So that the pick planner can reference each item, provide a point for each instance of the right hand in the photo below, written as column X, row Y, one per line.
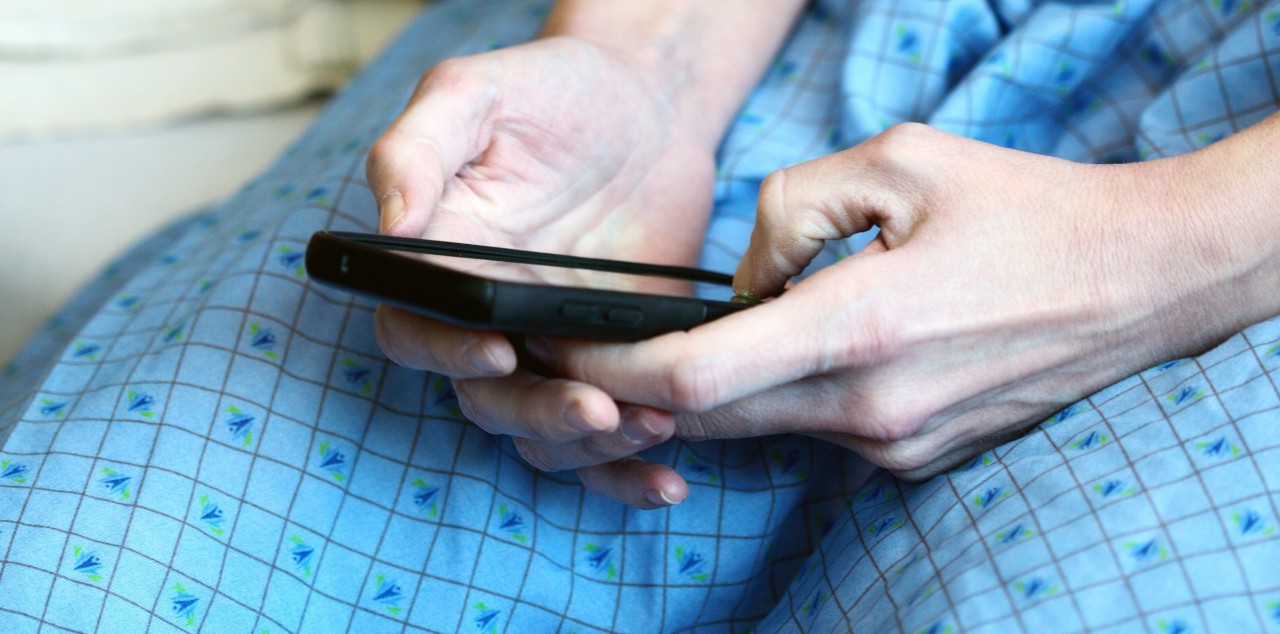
column 562, row 146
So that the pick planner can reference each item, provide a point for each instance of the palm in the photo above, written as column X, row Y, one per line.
column 608, row 182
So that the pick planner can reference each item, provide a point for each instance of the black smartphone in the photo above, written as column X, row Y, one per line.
column 510, row 290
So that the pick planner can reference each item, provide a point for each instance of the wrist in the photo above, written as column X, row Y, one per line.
column 1224, row 229
column 689, row 51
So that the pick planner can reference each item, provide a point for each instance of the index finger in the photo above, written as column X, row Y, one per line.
column 699, row 370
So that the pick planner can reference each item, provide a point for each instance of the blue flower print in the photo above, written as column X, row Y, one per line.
column 1183, row 395
column 13, row 471
column 1218, row 447
column 908, row 43
column 445, row 397
column 116, row 483
column 937, row 627
column 1112, row 488
column 128, row 302
column 1146, row 551
column 989, row 497
column 884, row 525
column 141, row 403
column 211, row 515
column 913, row 560
column 263, row 340
column 1062, row 77
column 922, row 593
column 240, row 425
column 810, row 607
column 1016, row 533
column 183, row 604
column 789, row 463
column 690, row 563
column 1157, row 57
column 1089, row 441
column 600, row 560
column 1033, row 588
column 291, row 259
column 332, row 461
column 1070, row 411
column 50, row 408
column 319, row 196
column 874, row 492
column 175, row 333
column 511, row 523
column 302, row 555
column 85, row 350
column 1250, row 523
column 787, row 69
column 700, row 469
column 485, row 618
column 87, row 563
column 357, row 376
column 388, row 594
column 426, row 497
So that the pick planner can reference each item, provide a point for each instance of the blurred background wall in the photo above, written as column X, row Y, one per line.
column 117, row 117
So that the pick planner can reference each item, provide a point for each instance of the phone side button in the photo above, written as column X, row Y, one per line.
column 624, row 316
column 582, row 313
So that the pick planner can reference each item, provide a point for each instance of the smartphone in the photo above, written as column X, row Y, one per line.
column 514, row 291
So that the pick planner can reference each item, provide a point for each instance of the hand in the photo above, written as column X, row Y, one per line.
column 1002, row 286
column 561, row 146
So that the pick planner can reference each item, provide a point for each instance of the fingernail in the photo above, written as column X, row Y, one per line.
column 656, row 496
column 538, row 347
column 391, row 207
column 481, row 358
column 635, row 426
column 577, row 418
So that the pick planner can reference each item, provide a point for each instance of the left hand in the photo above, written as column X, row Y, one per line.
column 1003, row 285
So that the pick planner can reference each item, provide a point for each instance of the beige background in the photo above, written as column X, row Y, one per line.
column 117, row 121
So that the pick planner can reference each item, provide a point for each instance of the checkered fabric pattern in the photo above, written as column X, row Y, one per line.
column 206, row 441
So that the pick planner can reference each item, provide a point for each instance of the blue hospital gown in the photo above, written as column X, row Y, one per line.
column 205, row 441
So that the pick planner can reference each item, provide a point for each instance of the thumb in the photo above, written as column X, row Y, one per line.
column 440, row 131
column 828, row 198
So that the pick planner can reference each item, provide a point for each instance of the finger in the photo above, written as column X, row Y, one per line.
column 635, row 482
column 722, row 361
column 439, row 132
column 526, row 405
column 641, row 428
column 829, row 198
column 419, row 343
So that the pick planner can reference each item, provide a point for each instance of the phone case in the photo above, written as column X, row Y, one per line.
column 363, row 264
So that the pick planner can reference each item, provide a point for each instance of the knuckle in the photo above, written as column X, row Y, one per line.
column 886, row 418
column 467, row 405
column 699, row 427
column 596, row 450
column 875, row 338
column 772, row 200
column 452, row 74
column 535, row 454
column 899, row 147
column 693, row 384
